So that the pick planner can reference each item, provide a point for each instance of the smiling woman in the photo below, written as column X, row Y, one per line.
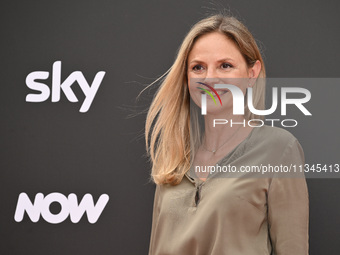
column 214, row 58
column 208, row 212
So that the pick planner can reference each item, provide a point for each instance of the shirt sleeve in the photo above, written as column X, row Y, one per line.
column 155, row 214
column 288, row 207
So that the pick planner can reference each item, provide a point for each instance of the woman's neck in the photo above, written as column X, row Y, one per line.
column 224, row 130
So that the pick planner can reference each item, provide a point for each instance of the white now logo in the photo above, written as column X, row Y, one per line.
column 65, row 86
column 69, row 206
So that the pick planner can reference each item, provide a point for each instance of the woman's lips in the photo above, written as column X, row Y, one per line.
column 220, row 92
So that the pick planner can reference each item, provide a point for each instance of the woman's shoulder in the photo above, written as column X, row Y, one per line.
column 273, row 136
column 276, row 146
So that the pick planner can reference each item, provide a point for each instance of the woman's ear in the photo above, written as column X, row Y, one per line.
column 254, row 72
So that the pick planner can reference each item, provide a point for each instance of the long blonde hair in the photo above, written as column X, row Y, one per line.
column 168, row 127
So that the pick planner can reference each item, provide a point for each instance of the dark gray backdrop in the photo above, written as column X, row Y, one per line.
column 52, row 147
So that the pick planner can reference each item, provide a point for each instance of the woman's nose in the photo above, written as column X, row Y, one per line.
column 211, row 77
column 211, row 73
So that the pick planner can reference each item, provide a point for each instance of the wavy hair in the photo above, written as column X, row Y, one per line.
column 170, row 135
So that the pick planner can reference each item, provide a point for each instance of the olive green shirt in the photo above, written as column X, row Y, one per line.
column 248, row 215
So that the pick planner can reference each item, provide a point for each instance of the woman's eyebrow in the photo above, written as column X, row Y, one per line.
column 218, row 61
column 196, row 60
column 225, row 59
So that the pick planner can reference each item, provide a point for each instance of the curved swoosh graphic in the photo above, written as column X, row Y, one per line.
column 206, row 91
column 210, row 93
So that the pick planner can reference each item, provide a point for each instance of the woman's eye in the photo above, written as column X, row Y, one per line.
column 197, row 68
column 226, row 66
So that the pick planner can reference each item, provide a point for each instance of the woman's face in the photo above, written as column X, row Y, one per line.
column 215, row 59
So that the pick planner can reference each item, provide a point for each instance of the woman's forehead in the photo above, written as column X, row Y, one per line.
column 214, row 46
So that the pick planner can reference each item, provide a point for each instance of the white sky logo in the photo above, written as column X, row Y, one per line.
column 65, row 86
column 69, row 207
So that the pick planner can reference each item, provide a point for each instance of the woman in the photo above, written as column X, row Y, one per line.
column 204, row 212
